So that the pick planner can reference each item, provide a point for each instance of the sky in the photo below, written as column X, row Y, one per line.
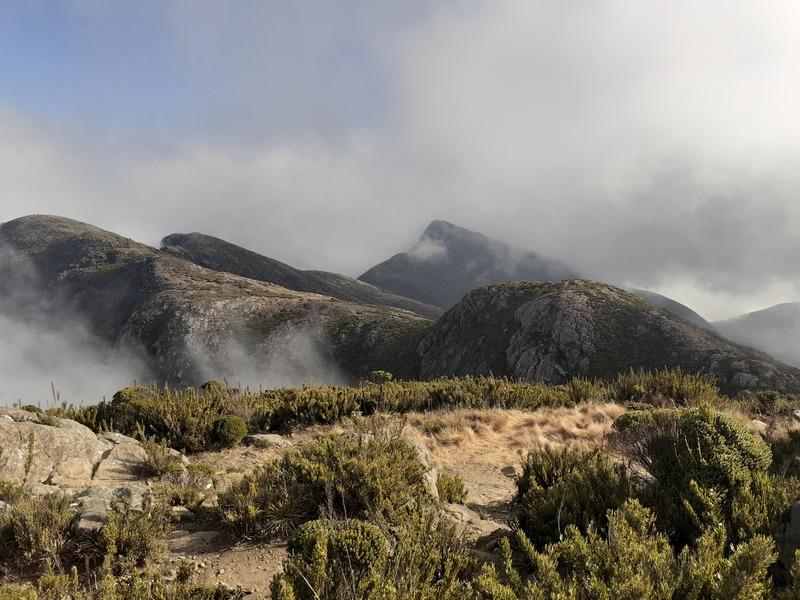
column 645, row 143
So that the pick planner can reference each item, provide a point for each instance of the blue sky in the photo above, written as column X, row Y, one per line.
column 647, row 143
column 200, row 68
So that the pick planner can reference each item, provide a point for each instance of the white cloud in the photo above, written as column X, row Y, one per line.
column 641, row 141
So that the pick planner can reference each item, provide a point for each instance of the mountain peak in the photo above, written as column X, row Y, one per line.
column 448, row 261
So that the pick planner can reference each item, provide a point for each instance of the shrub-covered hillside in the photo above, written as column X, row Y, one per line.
column 371, row 492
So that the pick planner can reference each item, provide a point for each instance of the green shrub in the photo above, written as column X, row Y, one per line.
column 633, row 560
column 451, row 488
column 37, row 532
column 190, row 487
column 563, row 487
column 331, row 559
column 267, row 503
column 184, row 419
column 349, row 475
column 667, row 387
column 131, row 539
column 698, row 461
column 416, row 554
column 229, row 430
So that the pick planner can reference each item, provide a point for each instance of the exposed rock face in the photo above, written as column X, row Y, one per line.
column 449, row 261
column 195, row 324
column 554, row 331
column 219, row 255
column 66, row 455
column 774, row 330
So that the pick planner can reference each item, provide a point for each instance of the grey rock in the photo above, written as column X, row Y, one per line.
column 431, row 475
column 124, row 462
column 553, row 332
column 267, row 440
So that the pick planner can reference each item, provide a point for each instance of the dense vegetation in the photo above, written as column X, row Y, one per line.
column 683, row 501
column 193, row 420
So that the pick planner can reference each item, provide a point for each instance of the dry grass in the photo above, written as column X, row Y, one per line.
column 479, row 445
column 505, row 432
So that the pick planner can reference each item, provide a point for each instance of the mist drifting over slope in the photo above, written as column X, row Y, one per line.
column 47, row 352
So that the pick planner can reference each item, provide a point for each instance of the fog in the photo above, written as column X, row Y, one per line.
column 292, row 356
column 48, row 354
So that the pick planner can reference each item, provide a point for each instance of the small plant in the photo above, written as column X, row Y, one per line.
column 131, row 539
column 229, row 430
column 38, row 532
column 451, row 488
column 348, row 476
column 563, row 487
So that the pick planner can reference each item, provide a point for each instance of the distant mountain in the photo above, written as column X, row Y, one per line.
column 774, row 330
column 554, row 331
column 219, row 255
column 195, row 323
column 675, row 307
column 448, row 261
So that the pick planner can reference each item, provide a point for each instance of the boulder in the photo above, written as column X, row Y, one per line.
column 33, row 452
column 266, row 440
column 124, row 462
column 95, row 502
column 64, row 454
column 431, row 474
column 475, row 526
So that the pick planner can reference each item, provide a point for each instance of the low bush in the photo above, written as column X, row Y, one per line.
column 415, row 555
column 348, row 476
column 229, row 430
column 184, row 419
column 37, row 533
column 632, row 560
column 666, row 387
column 451, row 488
column 697, row 461
column 335, row 559
column 561, row 487
column 132, row 539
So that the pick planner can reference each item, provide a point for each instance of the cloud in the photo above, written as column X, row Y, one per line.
column 646, row 143
column 291, row 356
column 42, row 344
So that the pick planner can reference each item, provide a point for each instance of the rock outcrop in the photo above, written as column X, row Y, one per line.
column 51, row 455
column 554, row 331
column 47, row 453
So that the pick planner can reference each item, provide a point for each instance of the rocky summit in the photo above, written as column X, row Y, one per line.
column 449, row 261
column 555, row 331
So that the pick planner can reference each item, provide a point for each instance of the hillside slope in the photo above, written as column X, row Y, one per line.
column 219, row 255
column 449, row 261
column 775, row 330
column 673, row 306
column 195, row 323
column 554, row 331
